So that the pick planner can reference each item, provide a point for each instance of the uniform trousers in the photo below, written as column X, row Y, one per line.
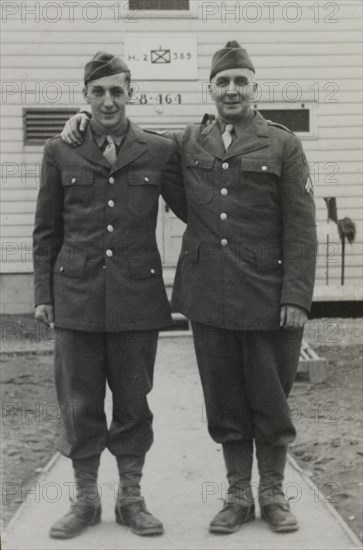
column 246, row 378
column 84, row 363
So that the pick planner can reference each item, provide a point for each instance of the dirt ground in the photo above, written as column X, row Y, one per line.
column 328, row 417
column 29, row 425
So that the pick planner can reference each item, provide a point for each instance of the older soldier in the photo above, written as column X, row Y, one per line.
column 98, row 279
column 245, row 278
column 245, row 275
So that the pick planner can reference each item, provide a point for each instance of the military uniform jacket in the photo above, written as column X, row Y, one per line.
column 250, row 242
column 95, row 252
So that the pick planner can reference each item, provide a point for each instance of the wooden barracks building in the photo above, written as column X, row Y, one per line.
column 308, row 58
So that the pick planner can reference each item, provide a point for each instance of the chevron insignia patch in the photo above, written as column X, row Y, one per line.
column 309, row 188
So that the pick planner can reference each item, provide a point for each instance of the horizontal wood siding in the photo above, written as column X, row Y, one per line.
column 41, row 58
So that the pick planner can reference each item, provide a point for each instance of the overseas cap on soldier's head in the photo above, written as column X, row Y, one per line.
column 232, row 56
column 104, row 64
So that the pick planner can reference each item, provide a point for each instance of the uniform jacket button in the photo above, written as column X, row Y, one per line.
column 110, row 228
column 224, row 191
column 73, row 180
column 225, row 166
column 111, row 180
column 224, row 242
column 279, row 262
column 264, row 168
column 61, row 269
column 146, row 179
column 109, row 253
column 223, row 216
column 111, row 204
column 152, row 271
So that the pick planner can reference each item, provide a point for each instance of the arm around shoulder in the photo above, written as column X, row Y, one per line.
column 173, row 191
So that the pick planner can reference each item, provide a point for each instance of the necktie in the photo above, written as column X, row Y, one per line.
column 110, row 150
column 227, row 135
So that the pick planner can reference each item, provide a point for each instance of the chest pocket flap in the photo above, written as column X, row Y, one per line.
column 144, row 177
column 75, row 176
column 203, row 162
column 261, row 165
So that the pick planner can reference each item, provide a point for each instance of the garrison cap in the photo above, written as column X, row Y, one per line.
column 232, row 56
column 104, row 64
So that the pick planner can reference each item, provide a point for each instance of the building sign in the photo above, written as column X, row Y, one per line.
column 161, row 56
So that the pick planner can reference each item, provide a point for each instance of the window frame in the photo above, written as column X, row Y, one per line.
column 283, row 106
column 191, row 13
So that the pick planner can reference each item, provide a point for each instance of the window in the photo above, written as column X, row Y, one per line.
column 42, row 124
column 159, row 5
column 162, row 9
column 299, row 118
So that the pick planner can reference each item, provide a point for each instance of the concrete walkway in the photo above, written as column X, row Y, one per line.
column 184, row 484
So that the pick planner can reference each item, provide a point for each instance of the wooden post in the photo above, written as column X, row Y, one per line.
column 343, row 260
column 327, row 260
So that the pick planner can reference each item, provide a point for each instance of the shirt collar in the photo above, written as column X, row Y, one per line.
column 100, row 137
column 239, row 127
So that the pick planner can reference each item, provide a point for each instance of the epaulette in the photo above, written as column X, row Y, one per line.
column 159, row 133
column 272, row 123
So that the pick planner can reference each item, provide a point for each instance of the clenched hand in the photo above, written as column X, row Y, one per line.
column 292, row 317
column 45, row 314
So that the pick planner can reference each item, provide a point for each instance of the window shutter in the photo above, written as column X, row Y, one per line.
column 42, row 124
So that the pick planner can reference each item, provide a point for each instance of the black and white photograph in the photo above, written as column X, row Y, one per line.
column 181, row 275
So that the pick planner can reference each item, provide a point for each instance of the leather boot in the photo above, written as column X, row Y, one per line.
column 75, row 521
column 130, row 508
column 275, row 509
column 279, row 517
column 239, row 506
column 231, row 517
column 86, row 509
column 238, row 458
column 271, row 466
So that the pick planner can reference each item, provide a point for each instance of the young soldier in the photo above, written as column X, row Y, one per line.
column 98, row 279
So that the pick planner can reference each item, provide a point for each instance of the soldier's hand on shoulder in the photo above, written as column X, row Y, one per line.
column 292, row 317
column 45, row 314
column 74, row 129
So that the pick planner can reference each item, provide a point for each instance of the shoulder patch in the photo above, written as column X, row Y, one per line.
column 309, row 186
column 271, row 123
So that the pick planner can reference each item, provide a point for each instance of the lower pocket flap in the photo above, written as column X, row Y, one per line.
column 264, row 258
column 190, row 250
column 268, row 262
column 145, row 268
column 70, row 262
